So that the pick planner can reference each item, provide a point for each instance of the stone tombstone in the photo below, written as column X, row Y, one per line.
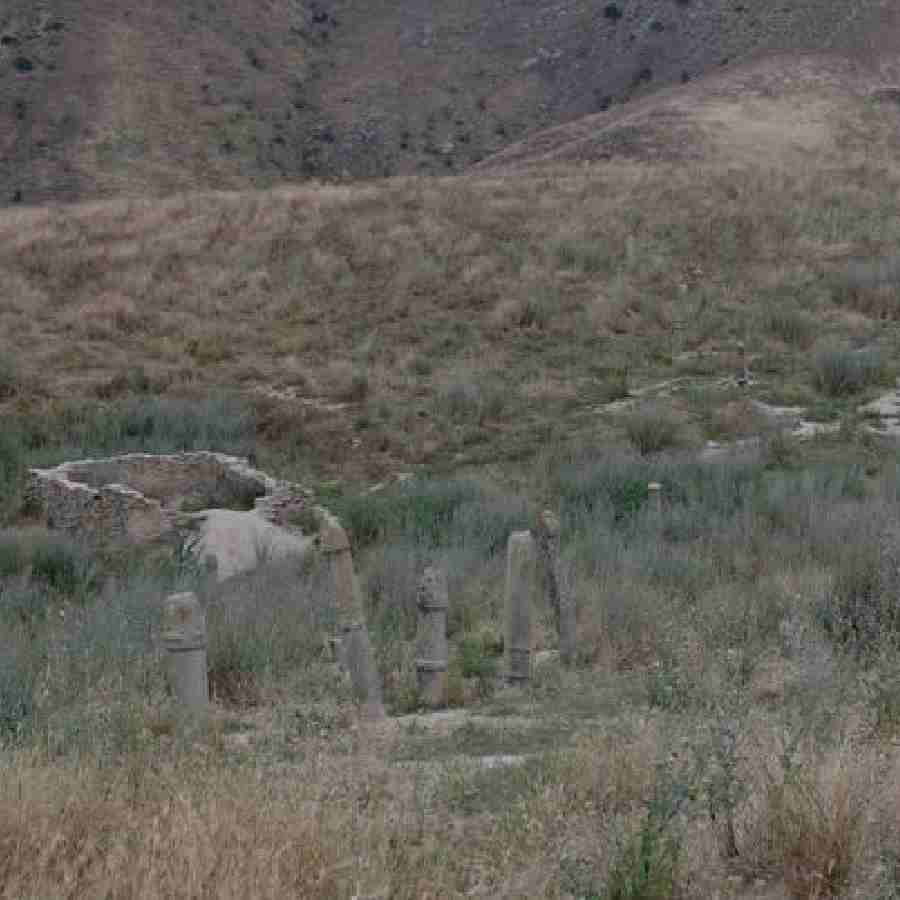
column 431, row 638
column 520, row 584
column 352, row 647
column 184, row 640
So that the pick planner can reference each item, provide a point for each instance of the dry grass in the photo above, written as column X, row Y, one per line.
column 464, row 323
column 381, row 296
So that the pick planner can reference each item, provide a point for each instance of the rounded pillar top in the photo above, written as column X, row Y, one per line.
column 432, row 592
column 183, row 622
column 548, row 522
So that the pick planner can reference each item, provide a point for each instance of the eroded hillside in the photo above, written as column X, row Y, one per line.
column 100, row 98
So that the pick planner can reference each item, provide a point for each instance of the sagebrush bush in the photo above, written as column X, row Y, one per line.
column 793, row 326
column 652, row 430
column 153, row 424
column 470, row 402
column 64, row 566
column 263, row 625
column 10, row 378
column 841, row 372
column 12, row 470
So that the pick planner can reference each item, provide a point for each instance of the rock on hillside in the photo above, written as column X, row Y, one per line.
column 100, row 97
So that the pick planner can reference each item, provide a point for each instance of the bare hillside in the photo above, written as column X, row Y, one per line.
column 100, row 98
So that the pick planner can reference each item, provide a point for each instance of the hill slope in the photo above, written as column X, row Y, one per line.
column 100, row 98
column 446, row 320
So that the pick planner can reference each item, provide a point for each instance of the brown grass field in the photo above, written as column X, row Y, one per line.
column 731, row 729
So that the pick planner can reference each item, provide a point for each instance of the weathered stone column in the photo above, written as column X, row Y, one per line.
column 568, row 623
column 354, row 650
column 431, row 638
column 654, row 494
column 548, row 552
column 359, row 660
column 184, row 640
column 560, row 599
column 520, row 578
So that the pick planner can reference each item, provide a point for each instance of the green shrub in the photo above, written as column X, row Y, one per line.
column 647, row 866
column 14, row 556
column 12, row 470
column 9, row 378
column 860, row 610
column 263, row 625
column 587, row 256
column 420, row 510
column 154, row 424
column 64, row 567
column 841, row 372
column 470, row 402
column 16, row 694
column 792, row 326
column 24, row 606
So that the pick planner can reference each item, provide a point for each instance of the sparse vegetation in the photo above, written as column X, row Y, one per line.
column 652, row 429
column 841, row 372
column 436, row 357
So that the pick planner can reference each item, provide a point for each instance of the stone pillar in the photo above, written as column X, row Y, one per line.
column 520, row 578
column 568, row 624
column 353, row 648
column 184, row 640
column 548, row 552
column 335, row 547
column 560, row 599
column 654, row 495
column 431, row 638
column 357, row 657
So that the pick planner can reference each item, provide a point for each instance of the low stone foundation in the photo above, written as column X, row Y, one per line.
column 142, row 497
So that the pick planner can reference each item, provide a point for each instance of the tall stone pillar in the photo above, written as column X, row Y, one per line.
column 431, row 638
column 354, row 650
column 520, row 582
column 558, row 596
column 547, row 534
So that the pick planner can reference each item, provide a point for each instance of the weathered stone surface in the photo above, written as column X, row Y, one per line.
column 359, row 659
column 431, row 638
column 547, row 536
column 240, row 542
column 520, row 585
column 184, row 640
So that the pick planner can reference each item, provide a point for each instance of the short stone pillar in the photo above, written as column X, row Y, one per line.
column 568, row 624
column 184, row 640
column 431, row 638
column 560, row 599
column 548, row 551
column 352, row 647
column 520, row 579
column 359, row 660
column 654, row 494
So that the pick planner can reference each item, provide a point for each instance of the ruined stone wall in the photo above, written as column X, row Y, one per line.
column 138, row 496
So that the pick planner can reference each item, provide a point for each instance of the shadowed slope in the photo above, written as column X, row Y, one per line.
column 100, row 98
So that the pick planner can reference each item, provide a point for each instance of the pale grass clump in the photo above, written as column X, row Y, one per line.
column 813, row 822
column 77, row 833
